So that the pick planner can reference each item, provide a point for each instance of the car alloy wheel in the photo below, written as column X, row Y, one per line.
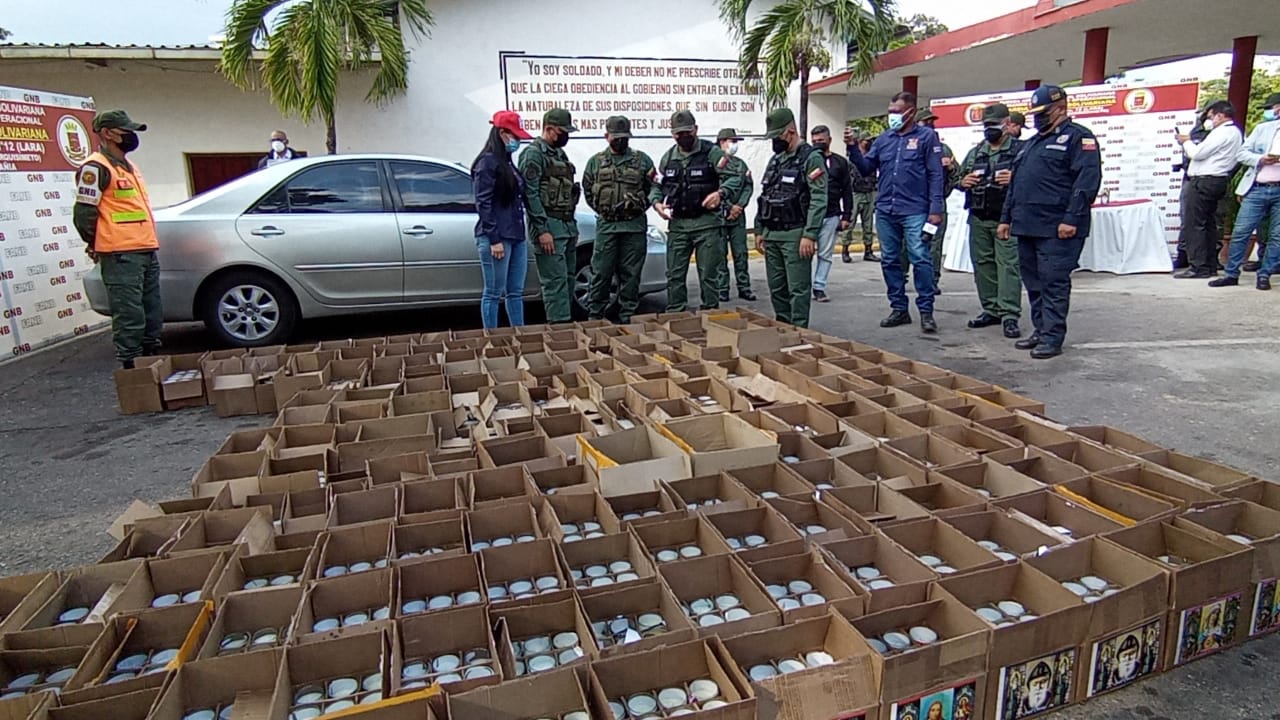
column 248, row 313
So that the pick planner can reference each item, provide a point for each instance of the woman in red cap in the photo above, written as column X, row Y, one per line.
column 500, row 233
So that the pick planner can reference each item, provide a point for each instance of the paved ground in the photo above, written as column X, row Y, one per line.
column 1174, row 361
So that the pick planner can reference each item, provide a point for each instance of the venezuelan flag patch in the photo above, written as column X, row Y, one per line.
column 815, row 173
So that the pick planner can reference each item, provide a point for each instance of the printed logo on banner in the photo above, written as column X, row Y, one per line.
column 73, row 140
column 1139, row 101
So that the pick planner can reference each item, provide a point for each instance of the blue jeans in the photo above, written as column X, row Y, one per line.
column 1257, row 204
column 826, row 251
column 503, row 278
column 905, row 233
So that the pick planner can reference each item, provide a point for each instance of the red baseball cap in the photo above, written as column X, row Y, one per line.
column 509, row 120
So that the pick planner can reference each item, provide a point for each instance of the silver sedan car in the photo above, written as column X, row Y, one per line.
column 333, row 235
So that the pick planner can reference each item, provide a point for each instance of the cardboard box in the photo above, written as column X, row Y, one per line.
column 931, row 540
column 942, row 497
column 1208, row 602
column 712, row 493
column 364, row 506
column 562, row 430
column 1007, row 537
column 148, row 537
column 337, row 600
column 673, row 535
column 640, row 508
column 438, row 583
column 531, row 561
column 193, row 577
column 255, row 573
column 849, row 688
column 239, row 472
column 1033, row 665
column 738, row 527
column 545, row 617
column 130, row 706
column 551, row 694
column 631, row 601
column 533, row 452
column 572, row 479
column 498, row 486
column 368, row 544
column 422, row 638
column 1122, row 644
column 234, row 394
column 362, row 657
column 565, row 517
column 771, row 480
column 713, row 396
column 711, row 576
column 748, row 339
column 1115, row 439
column 931, row 451
column 431, row 499
column 1210, row 474
column 256, row 614
column 991, row 480
column 104, row 589
column 1119, row 502
column 139, row 390
column 868, row 508
column 1038, row 464
column 816, row 520
column 1050, row 512
column 248, row 681
column 1262, row 492
column 185, row 380
column 616, row 679
column 22, row 595
column 1163, row 485
column 718, row 443
column 179, row 630
column 1259, row 528
column 605, row 552
column 951, row 670
column 827, row 586
column 879, row 464
column 515, row 522
column 909, row 577
column 633, row 460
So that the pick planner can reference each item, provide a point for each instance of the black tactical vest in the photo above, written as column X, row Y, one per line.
column 619, row 186
column 986, row 199
column 559, row 191
column 784, row 196
column 686, row 182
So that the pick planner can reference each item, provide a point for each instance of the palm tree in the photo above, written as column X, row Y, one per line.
column 311, row 42
column 791, row 38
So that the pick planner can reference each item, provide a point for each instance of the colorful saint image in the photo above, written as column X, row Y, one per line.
column 1036, row 686
column 1207, row 628
column 1125, row 657
column 1266, row 608
column 954, row 703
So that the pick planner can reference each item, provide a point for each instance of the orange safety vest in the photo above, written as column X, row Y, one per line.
column 125, row 223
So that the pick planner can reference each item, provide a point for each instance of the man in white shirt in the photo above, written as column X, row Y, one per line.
column 1260, row 188
column 1212, row 163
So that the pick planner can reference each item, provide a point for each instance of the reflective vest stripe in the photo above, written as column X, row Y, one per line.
column 129, row 216
column 126, row 193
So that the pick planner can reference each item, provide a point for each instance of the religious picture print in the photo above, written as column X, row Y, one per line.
column 1125, row 657
column 957, row 702
column 1266, row 608
column 1207, row 628
column 1036, row 686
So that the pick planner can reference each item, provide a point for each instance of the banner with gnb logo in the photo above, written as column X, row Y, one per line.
column 44, row 138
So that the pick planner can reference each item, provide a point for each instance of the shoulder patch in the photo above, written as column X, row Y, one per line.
column 531, row 171
column 724, row 162
column 1088, row 144
column 87, row 186
column 815, row 173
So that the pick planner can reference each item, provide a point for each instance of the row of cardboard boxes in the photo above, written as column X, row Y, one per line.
column 1180, row 589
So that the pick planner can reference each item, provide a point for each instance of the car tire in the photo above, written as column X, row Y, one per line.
column 266, row 313
column 581, row 284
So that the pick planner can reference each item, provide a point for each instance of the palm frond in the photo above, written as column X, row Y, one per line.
column 734, row 14
column 246, row 28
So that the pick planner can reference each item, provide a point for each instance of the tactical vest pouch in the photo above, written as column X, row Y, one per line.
column 559, row 192
column 619, row 192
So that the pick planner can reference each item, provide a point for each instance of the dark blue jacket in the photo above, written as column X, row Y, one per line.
column 1056, row 177
column 497, row 223
column 910, row 167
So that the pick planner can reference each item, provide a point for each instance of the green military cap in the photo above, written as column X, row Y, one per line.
column 776, row 122
column 1018, row 118
column 682, row 121
column 728, row 134
column 618, row 126
column 926, row 115
column 115, row 119
column 559, row 117
column 995, row 114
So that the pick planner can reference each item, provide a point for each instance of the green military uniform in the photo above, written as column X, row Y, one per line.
column 551, row 197
column 687, row 178
column 735, row 231
column 864, row 209
column 995, row 262
column 792, row 206
column 617, row 187
column 949, row 184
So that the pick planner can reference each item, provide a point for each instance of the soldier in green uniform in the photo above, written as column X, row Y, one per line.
column 791, row 208
column 617, row 182
column 985, row 175
column 695, row 180
column 735, row 220
column 951, row 179
column 551, row 196
column 864, row 205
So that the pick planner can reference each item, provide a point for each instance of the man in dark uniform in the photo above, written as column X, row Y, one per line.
column 1056, row 178
column 839, row 210
column 951, row 168
column 551, row 196
column 735, row 220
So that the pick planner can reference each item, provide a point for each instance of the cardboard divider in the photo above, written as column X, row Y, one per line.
column 358, row 603
column 423, row 638
column 633, row 460
column 630, row 602
column 904, row 579
column 931, row 450
column 257, row 616
column 248, row 681
column 710, row 577
column 130, row 706
column 529, row 562
column 22, row 595
column 757, row 533
column 1163, row 485
column 939, row 546
column 826, row 585
column 878, row 464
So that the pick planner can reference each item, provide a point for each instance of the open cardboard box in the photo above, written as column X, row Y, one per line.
column 562, row 430
column 868, row 508
column 971, row 436
column 575, row 509
column 641, row 508
column 368, row 543
column 437, row 577
column 909, row 577
column 460, row 631
column 1115, row 438
column 1262, row 492
column 184, row 393
column 16, row 663
column 139, row 390
column 531, row 452
column 104, row 589
column 1260, row 526
column 879, row 464
column 1122, row 503
column 1038, row 464
column 364, row 506
column 772, row 479
column 812, row 568
column 940, row 496
column 239, row 472
column 424, row 500
column 951, row 670
column 715, row 575
column 604, row 551
column 267, row 610
column 633, row 460
column 1163, row 485
column 130, row 706
column 631, row 601
column 511, row 522
column 849, row 688
column 1210, row 474
column 147, row 537
column 711, row 493
column 551, row 694
column 181, row 629
column 616, row 679
column 298, row 440
column 1050, row 512
column 932, row 537
column 197, row 572
column 22, row 595
column 248, row 681
column 717, row 443
column 370, row 593
column 499, row 486
column 876, row 423
column 747, row 338
column 1208, row 603
column 931, row 417
column 931, row 451
column 544, row 617
column 1014, row 537
column 433, row 538
column 314, row 664
column 524, row 561
column 566, row 480
column 780, row 536
column 990, row 480
column 817, row 522
column 1122, row 644
column 678, row 533
column 248, row 573
column 1032, row 664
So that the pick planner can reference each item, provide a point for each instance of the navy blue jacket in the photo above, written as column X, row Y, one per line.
column 910, row 167
column 1056, row 177
column 497, row 223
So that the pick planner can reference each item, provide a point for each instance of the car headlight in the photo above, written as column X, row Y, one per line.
column 655, row 235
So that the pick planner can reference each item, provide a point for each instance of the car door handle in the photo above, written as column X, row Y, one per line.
column 266, row 231
column 418, row 231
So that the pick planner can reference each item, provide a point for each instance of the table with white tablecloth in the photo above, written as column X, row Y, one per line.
column 1128, row 237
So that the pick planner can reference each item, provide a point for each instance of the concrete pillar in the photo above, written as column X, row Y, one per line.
column 1030, row 85
column 1095, row 56
column 911, row 84
column 828, row 110
column 1242, row 54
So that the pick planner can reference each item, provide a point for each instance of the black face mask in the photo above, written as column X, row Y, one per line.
column 561, row 140
column 128, row 141
column 1043, row 121
column 993, row 134
column 619, row 145
column 781, row 145
column 822, row 146
column 686, row 142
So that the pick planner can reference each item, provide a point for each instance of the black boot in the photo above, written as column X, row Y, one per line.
column 1028, row 343
column 870, row 255
column 127, row 364
column 896, row 318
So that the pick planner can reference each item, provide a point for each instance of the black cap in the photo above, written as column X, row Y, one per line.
column 618, row 126
column 728, row 134
column 682, row 121
column 116, row 119
column 994, row 115
column 1272, row 100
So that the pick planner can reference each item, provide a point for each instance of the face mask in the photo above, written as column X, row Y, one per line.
column 128, row 141
column 513, row 145
column 993, row 134
column 822, row 146
column 1270, row 114
column 686, row 142
column 562, row 139
column 780, row 145
column 277, row 146
column 1208, row 125
column 1017, row 133
column 896, row 121
column 733, row 149
column 620, row 145
column 1043, row 121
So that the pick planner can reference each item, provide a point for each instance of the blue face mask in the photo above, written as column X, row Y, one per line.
column 513, row 145
column 1270, row 114
column 896, row 121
